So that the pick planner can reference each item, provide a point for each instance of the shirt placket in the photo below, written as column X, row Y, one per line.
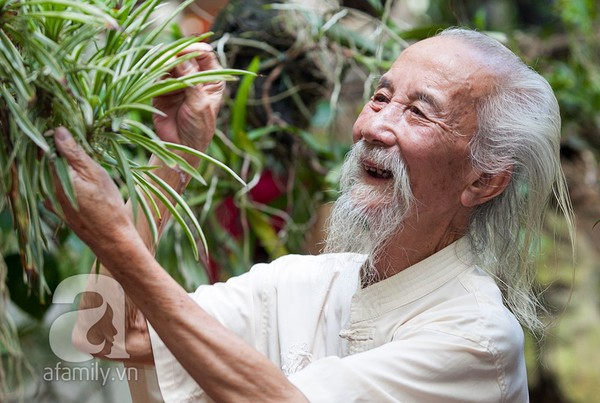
column 358, row 338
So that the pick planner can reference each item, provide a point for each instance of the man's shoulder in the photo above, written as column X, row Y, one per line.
column 308, row 269
column 307, row 264
column 323, row 260
column 477, row 313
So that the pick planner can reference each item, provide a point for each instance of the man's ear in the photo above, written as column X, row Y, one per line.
column 484, row 187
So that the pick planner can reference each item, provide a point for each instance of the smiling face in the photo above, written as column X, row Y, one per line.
column 408, row 186
column 424, row 108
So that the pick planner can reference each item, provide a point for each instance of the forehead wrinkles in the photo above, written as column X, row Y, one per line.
column 451, row 102
column 462, row 90
column 446, row 74
column 445, row 62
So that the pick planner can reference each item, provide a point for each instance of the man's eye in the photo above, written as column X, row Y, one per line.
column 413, row 109
column 379, row 98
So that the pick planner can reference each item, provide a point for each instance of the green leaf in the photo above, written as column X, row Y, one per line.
column 78, row 8
column 62, row 171
column 147, row 213
column 184, row 206
column 137, row 15
column 47, row 185
column 159, row 29
column 135, row 106
column 10, row 59
column 162, row 87
column 20, row 117
column 124, row 165
column 238, row 120
column 171, row 159
column 67, row 16
column 36, row 236
column 187, row 168
column 128, row 123
column 145, row 183
column 207, row 157
column 154, row 146
column 39, row 50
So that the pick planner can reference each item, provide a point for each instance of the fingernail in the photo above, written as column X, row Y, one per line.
column 187, row 65
column 61, row 133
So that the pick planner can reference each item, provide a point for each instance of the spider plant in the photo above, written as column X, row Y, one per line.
column 92, row 66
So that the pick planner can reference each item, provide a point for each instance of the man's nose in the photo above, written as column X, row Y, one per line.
column 378, row 131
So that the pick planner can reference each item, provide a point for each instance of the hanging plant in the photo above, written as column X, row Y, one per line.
column 92, row 66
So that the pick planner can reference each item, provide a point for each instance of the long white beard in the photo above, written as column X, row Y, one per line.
column 365, row 217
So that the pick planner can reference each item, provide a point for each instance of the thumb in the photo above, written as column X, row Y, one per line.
column 69, row 149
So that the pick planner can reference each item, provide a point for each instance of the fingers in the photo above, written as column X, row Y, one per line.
column 65, row 144
column 208, row 94
column 206, row 55
column 205, row 60
column 71, row 151
column 186, row 67
column 89, row 199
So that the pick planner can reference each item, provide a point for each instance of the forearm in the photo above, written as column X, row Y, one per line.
column 91, row 330
column 225, row 366
column 178, row 180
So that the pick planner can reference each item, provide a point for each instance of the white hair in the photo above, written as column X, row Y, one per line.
column 519, row 132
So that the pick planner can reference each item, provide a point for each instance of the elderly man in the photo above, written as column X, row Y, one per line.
column 442, row 197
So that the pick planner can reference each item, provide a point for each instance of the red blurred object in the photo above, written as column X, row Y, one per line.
column 267, row 189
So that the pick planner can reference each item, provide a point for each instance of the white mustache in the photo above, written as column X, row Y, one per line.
column 383, row 157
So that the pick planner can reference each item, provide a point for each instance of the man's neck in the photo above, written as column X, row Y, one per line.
column 409, row 246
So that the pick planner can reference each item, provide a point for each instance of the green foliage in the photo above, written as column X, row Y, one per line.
column 92, row 67
column 576, row 78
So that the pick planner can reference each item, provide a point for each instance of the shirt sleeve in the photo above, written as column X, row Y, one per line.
column 426, row 366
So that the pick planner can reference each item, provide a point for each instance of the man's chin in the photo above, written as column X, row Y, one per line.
column 369, row 200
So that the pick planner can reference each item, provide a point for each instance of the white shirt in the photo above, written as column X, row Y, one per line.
column 435, row 332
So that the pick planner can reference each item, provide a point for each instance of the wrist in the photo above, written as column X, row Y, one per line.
column 123, row 243
column 174, row 176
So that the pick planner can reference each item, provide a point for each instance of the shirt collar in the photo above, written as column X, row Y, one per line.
column 413, row 282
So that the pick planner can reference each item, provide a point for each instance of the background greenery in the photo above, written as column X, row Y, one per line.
column 285, row 130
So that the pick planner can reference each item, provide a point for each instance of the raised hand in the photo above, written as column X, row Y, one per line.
column 191, row 113
column 100, row 217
